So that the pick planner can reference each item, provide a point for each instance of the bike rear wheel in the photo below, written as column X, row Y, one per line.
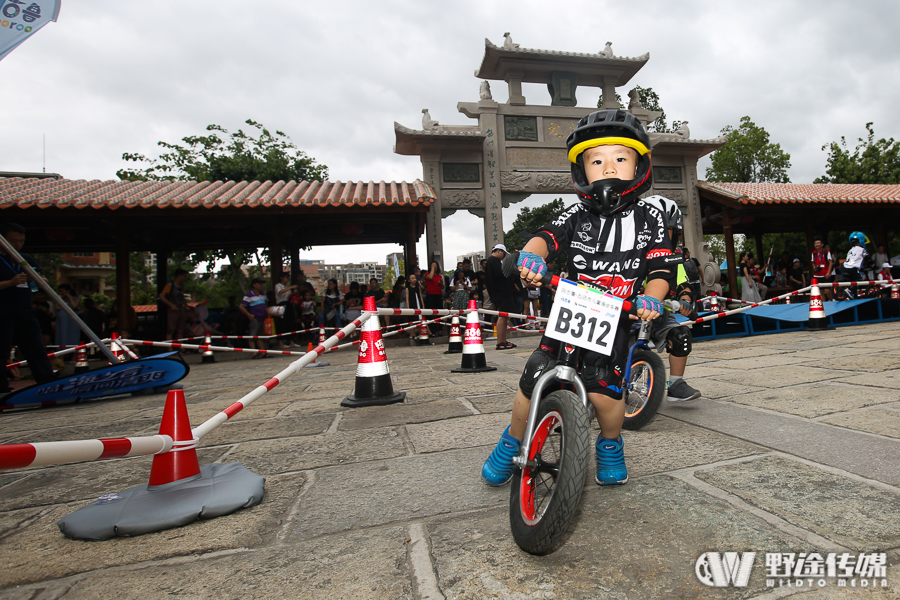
column 645, row 390
column 546, row 493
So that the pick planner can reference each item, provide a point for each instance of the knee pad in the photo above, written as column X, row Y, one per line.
column 538, row 363
column 594, row 367
column 679, row 341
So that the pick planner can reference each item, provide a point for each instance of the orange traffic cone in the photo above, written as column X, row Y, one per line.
column 456, row 344
column 473, row 360
column 208, row 356
column 315, row 363
column 817, row 318
column 423, row 340
column 176, row 464
column 81, row 361
column 373, row 379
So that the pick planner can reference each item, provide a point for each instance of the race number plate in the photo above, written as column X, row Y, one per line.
column 584, row 317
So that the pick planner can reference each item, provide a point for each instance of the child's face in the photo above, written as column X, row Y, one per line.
column 610, row 162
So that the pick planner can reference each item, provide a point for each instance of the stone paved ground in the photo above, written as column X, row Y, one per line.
column 793, row 449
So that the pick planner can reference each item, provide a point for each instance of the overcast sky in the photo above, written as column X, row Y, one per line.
column 112, row 77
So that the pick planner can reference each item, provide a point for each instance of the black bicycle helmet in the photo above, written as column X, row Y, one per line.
column 609, row 127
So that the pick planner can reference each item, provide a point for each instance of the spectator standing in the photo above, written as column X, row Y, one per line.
column 881, row 258
column 283, row 292
column 45, row 316
column 822, row 264
column 796, row 276
column 172, row 296
column 308, row 314
column 67, row 331
column 94, row 318
column 502, row 293
column 434, row 292
column 253, row 306
column 331, row 302
column 749, row 289
column 19, row 325
column 461, row 290
column 856, row 259
column 412, row 296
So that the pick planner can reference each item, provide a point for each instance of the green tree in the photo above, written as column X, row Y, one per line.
column 873, row 162
column 49, row 262
column 224, row 156
column 529, row 219
column 749, row 157
column 650, row 101
column 227, row 157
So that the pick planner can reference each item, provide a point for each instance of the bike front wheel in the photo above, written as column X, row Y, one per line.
column 546, row 493
column 645, row 390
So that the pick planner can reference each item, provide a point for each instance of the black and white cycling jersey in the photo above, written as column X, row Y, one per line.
column 617, row 252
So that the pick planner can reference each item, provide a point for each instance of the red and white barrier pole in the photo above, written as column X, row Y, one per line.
column 19, row 456
column 735, row 311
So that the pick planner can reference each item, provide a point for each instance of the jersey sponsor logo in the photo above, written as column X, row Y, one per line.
column 579, row 261
column 561, row 220
column 585, row 237
column 616, row 284
column 583, row 247
column 658, row 253
column 586, row 226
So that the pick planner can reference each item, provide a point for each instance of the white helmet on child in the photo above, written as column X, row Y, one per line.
column 671, row 213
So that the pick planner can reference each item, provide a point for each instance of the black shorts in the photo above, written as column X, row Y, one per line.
column 601, row 374
column 505, row 303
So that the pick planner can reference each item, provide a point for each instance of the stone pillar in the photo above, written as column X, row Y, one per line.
column 609, row 95
column 514, row 80
column 493, row 206
column 434, row 237
column 693, row 235
column 123, row 285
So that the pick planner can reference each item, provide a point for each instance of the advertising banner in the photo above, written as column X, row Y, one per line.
column 20, row 19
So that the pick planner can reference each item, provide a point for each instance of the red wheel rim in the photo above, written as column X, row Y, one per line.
column 526, row 491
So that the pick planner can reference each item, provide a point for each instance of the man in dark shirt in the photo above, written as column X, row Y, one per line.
column 18, row 321
column 502, row 292
column 375, row 291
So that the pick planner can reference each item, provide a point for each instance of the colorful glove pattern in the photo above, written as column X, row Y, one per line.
column 649, row 303
column 532, row 262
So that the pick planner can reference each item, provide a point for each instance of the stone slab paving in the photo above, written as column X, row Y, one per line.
column 783, row 454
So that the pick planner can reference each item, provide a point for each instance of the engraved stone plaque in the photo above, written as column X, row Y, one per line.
column 563, row 88
column 549, row 159
column 463, row 199
column 557, row 130
column 461, row 173
column 520, row 129
column 667, row 175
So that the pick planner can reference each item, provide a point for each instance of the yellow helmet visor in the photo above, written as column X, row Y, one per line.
column 607, row 141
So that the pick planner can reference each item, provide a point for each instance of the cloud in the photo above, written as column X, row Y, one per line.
column 112, row 77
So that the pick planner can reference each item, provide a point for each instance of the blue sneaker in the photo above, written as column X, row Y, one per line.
column 498, row 468
column 610, row 462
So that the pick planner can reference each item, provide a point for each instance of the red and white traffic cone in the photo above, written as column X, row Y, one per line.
column 208, row 356
column 817, row 318
column 473, row 360
column 321, row 334
column 176, row 464
column 81, row 361
column 456, row 342
column 787, row 300
column 114, row 346
column 895, row 292
column 373, row 379
column 713, row 302
column 423, row 340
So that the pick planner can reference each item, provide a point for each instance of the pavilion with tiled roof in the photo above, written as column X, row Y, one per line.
column 165, row 216
column 811, row 208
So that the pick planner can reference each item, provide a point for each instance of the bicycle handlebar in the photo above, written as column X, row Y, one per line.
column 627, row 307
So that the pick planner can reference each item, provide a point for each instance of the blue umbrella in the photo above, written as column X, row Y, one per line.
column 724, row 265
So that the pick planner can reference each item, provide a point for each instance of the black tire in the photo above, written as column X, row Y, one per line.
column 543, row 499
column 645, row 390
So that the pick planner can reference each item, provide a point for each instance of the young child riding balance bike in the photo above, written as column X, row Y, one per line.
column 614, row 240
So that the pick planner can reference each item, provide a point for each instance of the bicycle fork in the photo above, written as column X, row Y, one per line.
column 564, row 372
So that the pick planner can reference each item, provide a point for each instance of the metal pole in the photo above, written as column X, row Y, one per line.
column 8, row 248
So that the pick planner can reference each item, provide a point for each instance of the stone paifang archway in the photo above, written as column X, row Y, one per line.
column 518, row 149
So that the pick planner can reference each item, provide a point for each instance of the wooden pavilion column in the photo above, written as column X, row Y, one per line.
column 123, row 286
column 807, row 264
column 162, row 275
column 294, row 251
column 760, row 257
column 276, row 250
column 409, row 247
column 729, row 252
